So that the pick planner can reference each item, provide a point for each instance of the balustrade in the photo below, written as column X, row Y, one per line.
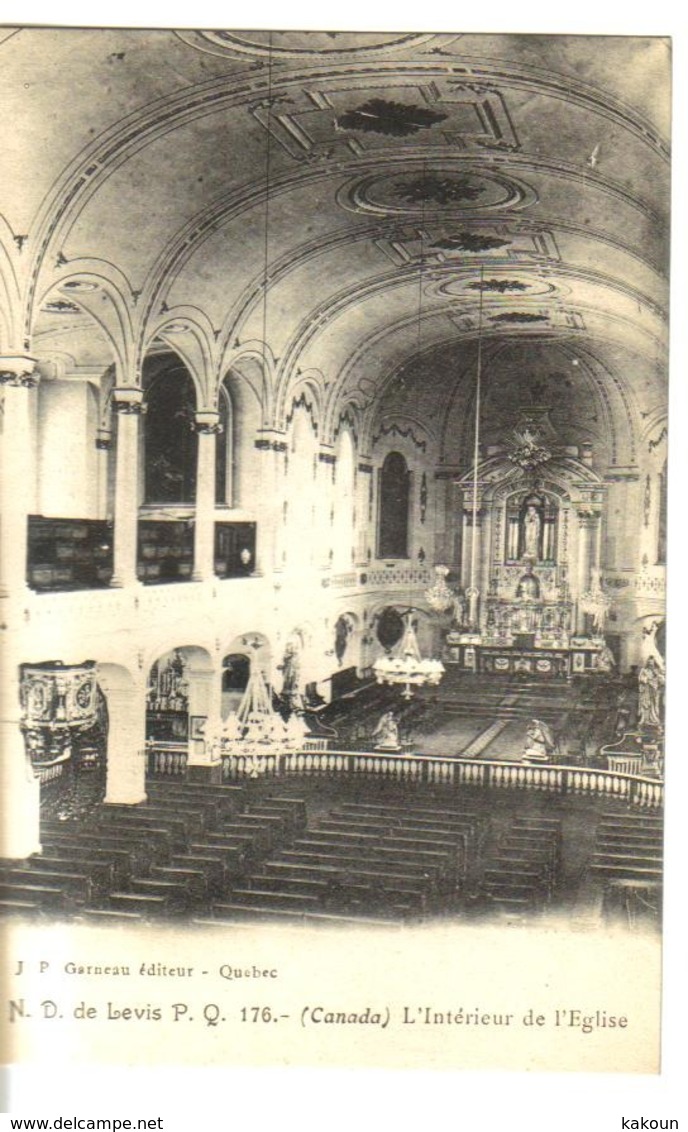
column 453, row 772
column 166, row 760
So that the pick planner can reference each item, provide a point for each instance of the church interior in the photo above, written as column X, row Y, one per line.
column 333, row 476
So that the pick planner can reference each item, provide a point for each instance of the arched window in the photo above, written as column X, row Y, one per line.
column 171, row 442
column 394, row 507
column 224, row 450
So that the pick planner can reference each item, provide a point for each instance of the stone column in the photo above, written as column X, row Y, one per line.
column 18, row 380
column 271, row 458
column 103, row 446
column 324, row 515
column 19, row 828
column 128, row 404
column 126, row 745
column 208, row 427
column 468, row 535
column 204, row 703
column 587, row 527
column 364, row 529
column 471, row 549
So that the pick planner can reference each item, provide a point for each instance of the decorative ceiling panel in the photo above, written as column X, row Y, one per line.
column 444, row 244
column 364, row 116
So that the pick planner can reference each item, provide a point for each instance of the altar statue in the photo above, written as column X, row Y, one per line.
column 606, row 661
column 387, row 733
column 650, row 685
column 528, row 588
column 540, row 743
column 532, row 525
column 459, row 608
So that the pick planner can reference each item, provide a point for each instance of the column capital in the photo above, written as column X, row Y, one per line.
column 19, row 370
column 207, row 423
column 587, row 516
column 103, row 438
column 128, row 400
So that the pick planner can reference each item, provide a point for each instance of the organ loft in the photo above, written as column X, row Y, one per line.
column 333, row 479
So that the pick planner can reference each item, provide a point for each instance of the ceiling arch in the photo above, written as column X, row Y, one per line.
column 332, row 203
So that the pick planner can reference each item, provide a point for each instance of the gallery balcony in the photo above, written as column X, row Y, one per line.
column 77, row 554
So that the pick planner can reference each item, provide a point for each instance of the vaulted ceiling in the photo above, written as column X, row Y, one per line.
column 366, row 205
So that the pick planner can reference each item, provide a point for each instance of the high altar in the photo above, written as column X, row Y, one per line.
column 530, row 546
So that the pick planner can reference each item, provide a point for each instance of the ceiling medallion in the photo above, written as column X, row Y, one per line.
column 498, row 284
column 60, row 306
column 470, row 242
column 394, row 119
column 518, row 316
column 81, row 285
column 299, row 44
column 437, row 192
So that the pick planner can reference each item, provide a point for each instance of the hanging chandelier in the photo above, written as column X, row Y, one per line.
column 256, row 730
column 404, row 664
column 440, row 597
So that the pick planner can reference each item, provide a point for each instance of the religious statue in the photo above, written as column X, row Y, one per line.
column 540, row 742
column 528, row 588
column 650, row 685
column 532, row 525
column 459, row 608
column 291, row 674
column 342, row 632
column 387, row 733
column 605, row 659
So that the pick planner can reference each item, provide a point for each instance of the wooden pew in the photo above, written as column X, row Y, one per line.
column 145, row 905
column 219, row 804
column 102, row 873
column 389, row 881
column 73, row 884
column 296, row 806
column 304, row 885
column 390, row 867
column 213, row 868
column 228, row 912
column 631, row 816
column 171, row 831
column 194, row 880
column 629, row 844
column 175, row 892
column 266, row 898
column 18, row 907
column 611, row 836
column 47, row 895
column 649, row 872
column 111, row 915
column 139, row 854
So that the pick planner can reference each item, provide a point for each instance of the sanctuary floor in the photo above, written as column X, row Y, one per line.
column 486, row 717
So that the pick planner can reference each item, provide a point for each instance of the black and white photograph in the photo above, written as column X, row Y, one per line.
column 335, row 384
